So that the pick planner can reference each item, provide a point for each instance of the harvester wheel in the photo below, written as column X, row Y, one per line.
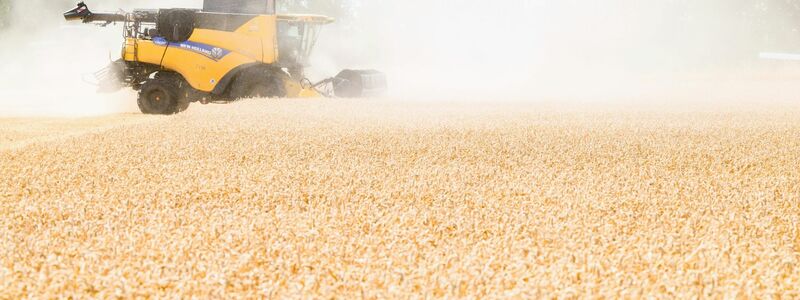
column 159, row 96
column 182, row 106
column 258, row 83
column 182, row 90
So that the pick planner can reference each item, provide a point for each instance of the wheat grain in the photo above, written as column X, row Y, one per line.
column 348, row 199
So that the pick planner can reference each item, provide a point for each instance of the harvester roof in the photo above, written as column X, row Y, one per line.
column 305, row 18
column 253, row 7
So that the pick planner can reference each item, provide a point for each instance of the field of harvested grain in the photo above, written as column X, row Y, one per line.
column 378, row 199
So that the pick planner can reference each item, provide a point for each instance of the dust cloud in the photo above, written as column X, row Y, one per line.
column 517, row 50
column 48, row 62
column 567, row 49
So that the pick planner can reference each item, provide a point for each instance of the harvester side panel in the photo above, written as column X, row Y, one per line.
column 195, row 61
column 254, row 38
column 201, row 60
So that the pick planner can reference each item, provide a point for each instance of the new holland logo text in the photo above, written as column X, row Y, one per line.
column 215, row 53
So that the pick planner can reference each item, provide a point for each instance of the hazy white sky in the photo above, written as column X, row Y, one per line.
column 439, row 48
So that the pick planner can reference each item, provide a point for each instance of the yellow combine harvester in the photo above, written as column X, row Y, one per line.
column 231, row 49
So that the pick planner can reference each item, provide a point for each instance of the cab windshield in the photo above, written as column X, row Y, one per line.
column 296, row 41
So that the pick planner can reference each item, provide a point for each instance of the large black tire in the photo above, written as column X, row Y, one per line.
column 160, row 96
column 182, row 106
column 258, row 83
column 182, row 91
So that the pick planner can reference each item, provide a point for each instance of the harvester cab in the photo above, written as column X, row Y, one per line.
column 229, row 50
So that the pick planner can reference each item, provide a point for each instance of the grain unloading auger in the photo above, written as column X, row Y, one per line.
column 231, row 49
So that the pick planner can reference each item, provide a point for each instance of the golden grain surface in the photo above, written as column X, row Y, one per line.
column 353, row 199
